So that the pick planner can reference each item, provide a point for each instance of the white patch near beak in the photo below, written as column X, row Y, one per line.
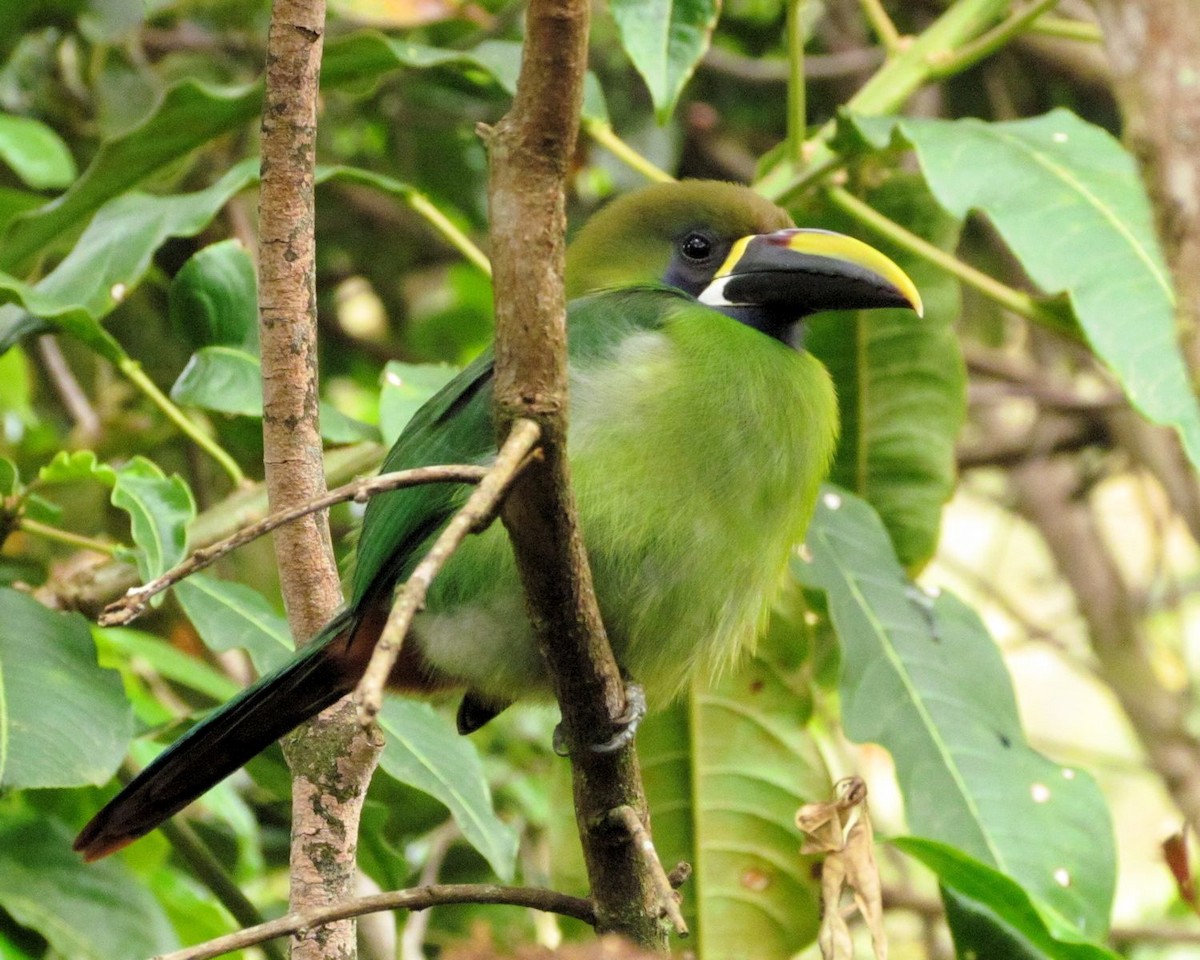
column 714, row 294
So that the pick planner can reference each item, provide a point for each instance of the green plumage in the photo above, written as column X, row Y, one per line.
column 697, row 440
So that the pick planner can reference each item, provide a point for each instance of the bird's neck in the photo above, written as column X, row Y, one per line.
column 784, row 327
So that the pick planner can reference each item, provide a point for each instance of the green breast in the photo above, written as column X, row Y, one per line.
column 697, row 449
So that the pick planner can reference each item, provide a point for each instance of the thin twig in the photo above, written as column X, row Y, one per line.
column 133, row 604
column 988, row 43
column 882, row 24
column 419, row 898
column 76, row 540
column 817, row 66
column 602, row 132
column 1018, row 301
column 479, row 510
column 137, row 376
column 667, row 898
column 412, row 941
column 62, row 378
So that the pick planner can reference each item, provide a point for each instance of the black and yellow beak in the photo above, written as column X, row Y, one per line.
column 806, row 271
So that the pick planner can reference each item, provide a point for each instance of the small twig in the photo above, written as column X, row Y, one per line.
column 627, row 817
column 602, row 132
column 133, row 370
column 62, row 378
column 817, row 66
column 76, row 540
column 412, row 941
column 882, row 24
column 133, row 604
column 419, row 898
column 479, row 510
column 1018, row 301
column 988, row 43
column 797, row 111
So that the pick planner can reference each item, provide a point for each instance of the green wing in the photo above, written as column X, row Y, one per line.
column 456, row 426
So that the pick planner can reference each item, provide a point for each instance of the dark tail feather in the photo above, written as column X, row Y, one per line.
column 228, row 738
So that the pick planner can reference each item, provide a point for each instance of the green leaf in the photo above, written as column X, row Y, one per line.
column 231, row 615
column 213, row 299
column 665, row 39
column 10, row 478
column 1067, row 199
column 189, row 115
column 424, row 751
column 63, row 721
column 112, row 255
column 369, row 54
column 229, row 380
column 731, row 819
column 1037, row 923
column 35, row 153
column 95, row 911
column 901, row 382
column 222, row 378
column 406, row 387
column 159, row 507
column 925, row 680
column 164, row 659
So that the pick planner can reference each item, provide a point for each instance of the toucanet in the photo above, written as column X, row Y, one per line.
column 699, row 432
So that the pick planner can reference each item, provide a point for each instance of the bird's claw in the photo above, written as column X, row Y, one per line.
column 626, row 724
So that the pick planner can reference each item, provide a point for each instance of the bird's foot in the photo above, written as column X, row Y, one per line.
column 626, row 724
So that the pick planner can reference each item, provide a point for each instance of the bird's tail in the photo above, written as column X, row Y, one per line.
column 227, row 738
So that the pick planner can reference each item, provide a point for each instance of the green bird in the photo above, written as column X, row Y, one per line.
column 699, row 432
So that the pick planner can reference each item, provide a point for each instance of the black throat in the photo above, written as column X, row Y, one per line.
column 787, row 328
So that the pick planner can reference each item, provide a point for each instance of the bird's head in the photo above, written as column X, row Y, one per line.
column 735, row 251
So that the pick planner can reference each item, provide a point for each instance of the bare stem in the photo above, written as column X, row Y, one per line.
column 479, row 511
column 137, row 376
column 603, row 133
column 133, row 604
column 1008, row 297
column 47, row 532
column 882, row 24
column 420, row 898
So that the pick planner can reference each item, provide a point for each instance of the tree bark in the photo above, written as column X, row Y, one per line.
column 332, row 758
column 531, row 151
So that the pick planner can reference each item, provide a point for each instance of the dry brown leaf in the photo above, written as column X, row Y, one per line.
column 841, row 829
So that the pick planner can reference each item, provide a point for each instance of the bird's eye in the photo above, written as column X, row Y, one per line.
column 696, row 246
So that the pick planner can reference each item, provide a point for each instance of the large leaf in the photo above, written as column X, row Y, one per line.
column 189, row 116
column 665, row 39
column 213, row 298
column 1022, row 917
column 111, row 256
column 229, row 615
column 924, row 679
column 95, row 911
column 229, row 380
column 424, row 751
column 63, row 720
column 725, row 771
column 1067, row 199
column 901, row 382
column 35, row 153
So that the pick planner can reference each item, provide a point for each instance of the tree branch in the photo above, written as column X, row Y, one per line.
column 326, row 796
column 133, row 604
column 305, row 922
column 531, row 151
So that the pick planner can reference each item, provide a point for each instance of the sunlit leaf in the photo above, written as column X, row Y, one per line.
column 35, row 153
column 424, row 751
column 665, row 39
column 1068, row 200
column 923, row 679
